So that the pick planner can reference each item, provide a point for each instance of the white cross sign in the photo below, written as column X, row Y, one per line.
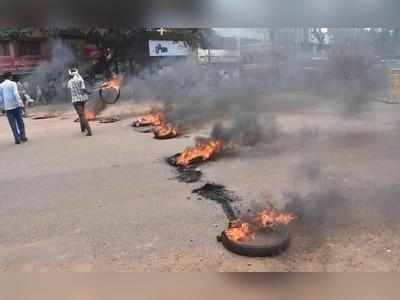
column 162, row 31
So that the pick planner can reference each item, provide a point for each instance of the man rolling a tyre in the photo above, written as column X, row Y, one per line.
column 79, row 96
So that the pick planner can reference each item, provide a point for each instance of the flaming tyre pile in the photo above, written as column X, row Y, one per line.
column 266, row 234
column 187, row 161
column 165, row 131
column 160, row 128
column 151, row 119
column 204, row 151
column 260, row 235
column 267, row 243
column 91, row 116
column 110, row 92
column 109, row 120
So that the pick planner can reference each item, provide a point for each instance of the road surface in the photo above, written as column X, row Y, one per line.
column 110, row 202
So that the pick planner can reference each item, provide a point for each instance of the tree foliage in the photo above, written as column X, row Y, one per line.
column 112, row 37
column 125, row 42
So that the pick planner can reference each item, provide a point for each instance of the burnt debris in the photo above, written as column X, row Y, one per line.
column 173, row 160
column 45, row 116
column 189, row 174
column 220, row 194
column 108, row 120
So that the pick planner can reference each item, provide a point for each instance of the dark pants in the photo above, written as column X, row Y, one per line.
column 80, row 109
column 16, row 123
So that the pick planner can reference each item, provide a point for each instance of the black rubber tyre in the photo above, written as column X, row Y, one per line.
column 172, row 160
column 136, row 124
column 108, row 120
column 189, row 175
column 167, row 137
column 109, row 100
column 143, row 129
column 273, row 242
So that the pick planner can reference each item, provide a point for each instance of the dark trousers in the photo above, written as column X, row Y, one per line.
column 16, row 123
column 80, row 109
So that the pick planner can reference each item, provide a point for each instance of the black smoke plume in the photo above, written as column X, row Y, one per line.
column 246, row 130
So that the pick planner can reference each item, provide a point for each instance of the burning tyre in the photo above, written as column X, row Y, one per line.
column 109, row 120
column 265, row 234
column 202, row 152
column 151, row 119
column 188, row 174
column 165, row 132
column 91, row 116
column 110, row 92
column 187, row 161
column 109, row 96
column 267, row 242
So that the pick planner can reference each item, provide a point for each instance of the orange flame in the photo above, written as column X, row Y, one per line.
column 201, row 152
column 152, row 119
column 242, row 232
column 114, row 83
column 268, row 218
column 165, row 130
column 90, row 115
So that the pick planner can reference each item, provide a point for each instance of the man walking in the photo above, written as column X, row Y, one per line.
column 12, row 104
column 79, row 96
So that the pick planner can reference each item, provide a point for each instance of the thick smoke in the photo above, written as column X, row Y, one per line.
column 61, row 57
column 354, row 78
column 246, row 130
column 50, row 75
column 323, row 209
column 198, row 94
column 324, row 202
column 321, row 206
column 348, row 82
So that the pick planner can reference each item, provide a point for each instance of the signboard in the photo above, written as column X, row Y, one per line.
column 19, row 65
column 168, row 48
column 91, row 52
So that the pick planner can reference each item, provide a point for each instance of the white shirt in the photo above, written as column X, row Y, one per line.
column 77, row 85
column 9, row 96
column 38, row 91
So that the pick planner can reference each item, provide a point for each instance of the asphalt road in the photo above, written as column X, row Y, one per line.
column 110, row 202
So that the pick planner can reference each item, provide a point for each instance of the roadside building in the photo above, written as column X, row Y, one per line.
column 23, row 54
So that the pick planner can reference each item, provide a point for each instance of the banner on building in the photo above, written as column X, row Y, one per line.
column 168, row 48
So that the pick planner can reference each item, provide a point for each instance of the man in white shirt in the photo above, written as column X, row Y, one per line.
column 79, row 96
column 12, row 103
